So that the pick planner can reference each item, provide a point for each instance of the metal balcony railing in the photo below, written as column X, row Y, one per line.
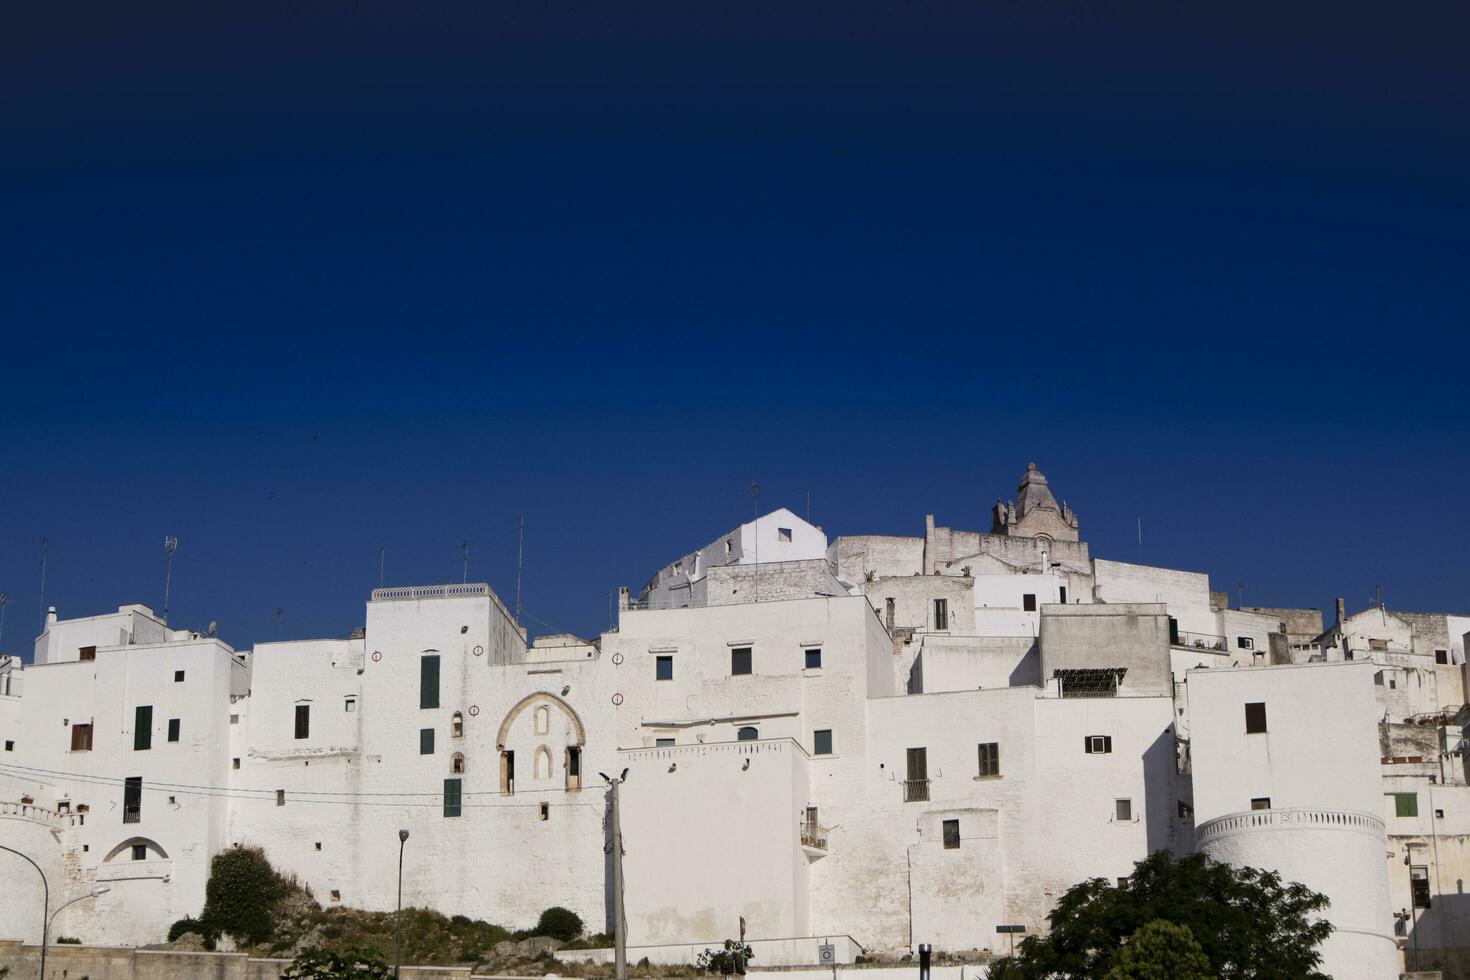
column 916, row 790
column 814, row 836
column 1199, row 641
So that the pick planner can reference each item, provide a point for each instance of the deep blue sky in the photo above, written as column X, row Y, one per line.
column 295, row 281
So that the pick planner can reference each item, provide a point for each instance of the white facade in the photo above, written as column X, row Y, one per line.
column 894, row 740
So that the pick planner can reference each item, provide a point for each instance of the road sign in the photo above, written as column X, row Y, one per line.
column 826, row 954
column 1010, row 928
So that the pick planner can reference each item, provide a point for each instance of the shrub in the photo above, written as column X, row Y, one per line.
column 240, row 893
column 559, row 923
column 349, row 964
column 731, row 959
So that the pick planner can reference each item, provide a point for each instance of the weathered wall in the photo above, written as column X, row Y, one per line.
column 1134, row 636
column 119, row 963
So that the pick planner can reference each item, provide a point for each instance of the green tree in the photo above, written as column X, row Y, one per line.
column 1161, row 951
column 559, row 923
column 240, row 894
column 1249, row 923
column 348, row 964
column 731, row 959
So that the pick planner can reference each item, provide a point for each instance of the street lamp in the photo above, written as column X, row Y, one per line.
column 45, row 903
column 99, row 890
column 397, row 931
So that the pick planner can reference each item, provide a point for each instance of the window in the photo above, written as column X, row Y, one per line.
column 749, row 733
column 426, row 741
column 1245, row 643
column 1438, row 814
column 143, row 728
column 1122, row 882
column 456, row 725
column 739, row 661
column 1405, row 804
column 989, row 759
column 508, row 772
column 140, row 852
column 303, row 720
column 663, row 668
column 814, row 658
column 429, row 681
column 87, row 653
column 546, row 811
column 173, row 729
column 1063, row 591
column 234, row 719
column 350, row 704
column 729, row 546
column 941, row 614
column 662, row 743
column 916, row 786
column 336, row 895
column 456, row 764
column 81, row 738
column 1261, row 803
column 1028, row 602
column 1186, row 812
column 1419, row 883
column 133, row 799
column 9, row 745
column 280, row 797
column 235, row 763
column 1097, row 744
column 1392, row 683
column 888, row 606
column 951, row 835
column 783, row 534
column 1441, row 656
column 822, row 741
column 1123, row 811
column 1255, row 717
column 451, row 797
column 574, row 766
column 178, row 677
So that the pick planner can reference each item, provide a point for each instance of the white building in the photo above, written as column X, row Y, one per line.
column 882, row 740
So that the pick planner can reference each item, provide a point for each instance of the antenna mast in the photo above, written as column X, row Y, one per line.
column 381, row 551
column 464, row 546
column 520, row 530
column 170, row 545
column 5, row 597
column 44, row 546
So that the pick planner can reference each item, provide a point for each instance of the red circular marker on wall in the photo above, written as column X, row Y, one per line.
column 617, row 659
column 377, row 655
column 474, row 710
column 479, row 651
column 617, row 699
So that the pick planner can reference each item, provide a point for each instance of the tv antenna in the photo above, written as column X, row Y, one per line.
column 1240, row 595
column 5, row 597
column 520, row 532
column 45, row 545
column 170, row 545
column 280, row 615
column 381, row 552
column 464, row 548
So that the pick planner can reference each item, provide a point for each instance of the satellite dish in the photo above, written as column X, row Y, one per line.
column 213, row 627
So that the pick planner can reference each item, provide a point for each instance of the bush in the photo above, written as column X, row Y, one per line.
column 1161, row 950
column 559, row 923
column 240, row 894
column 731, row 959
column 349, row 964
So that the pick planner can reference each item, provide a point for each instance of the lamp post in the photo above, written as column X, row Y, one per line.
column 99, row 890
column 45, row 903
column 397, row 930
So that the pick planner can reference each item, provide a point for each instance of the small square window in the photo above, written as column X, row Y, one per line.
column 1405, row 804
column 1028, row 602
column 140, row 852
column 318, row 845
column 235, row 763
column 814, row 658
column 1392, row 684
column 1186, row 812
column 1123, row 811
column 663, row 743
column 234, row 719
column 822, row 741
column 1441, row 656
column 951, row 835
column 1255, row 717
column 9, row 745
column 663, row 668
column 87, row 653
column 783, row 534
column 336, row 895
column 178, row 677
column 1122, row 882
column 1261, row 803
column 350, row 704
column 1438, row 814
column 1098, row 744
column 1245, row 643
column 739, row 661
column 426, row 741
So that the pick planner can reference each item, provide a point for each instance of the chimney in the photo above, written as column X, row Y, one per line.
column 1340, row 616
column 50, row 616
column 622, row 598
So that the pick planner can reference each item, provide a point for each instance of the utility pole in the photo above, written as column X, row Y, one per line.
column 620, row 923
column 520, row 530
column 44, row 547
column 170, row 545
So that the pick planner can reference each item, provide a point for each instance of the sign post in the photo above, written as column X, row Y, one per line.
column 1010, row 934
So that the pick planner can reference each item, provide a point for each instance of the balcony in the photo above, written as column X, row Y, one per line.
column 1199, row 641
column 1287, row 818
column 813, row 840
column 916, row 791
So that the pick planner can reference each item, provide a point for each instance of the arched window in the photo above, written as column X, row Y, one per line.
column 456, row 764
column 543, row 763
column 456, row 726
column 543, row 719
column 747, row 734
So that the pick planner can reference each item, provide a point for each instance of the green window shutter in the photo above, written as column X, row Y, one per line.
column 1406, row 804
column 426, row 741
column 429, row 681
column 451, row 797
column 143, row 727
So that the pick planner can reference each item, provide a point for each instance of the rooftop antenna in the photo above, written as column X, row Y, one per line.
column 464, row 547
column 520, row 531
column 170, row 545
column 1140, row 540
column 381, row 552
column 1240, row 595
column 808, row 506
column 280, row 615
column 45, row 545
column 754, row 489
column 5, row 597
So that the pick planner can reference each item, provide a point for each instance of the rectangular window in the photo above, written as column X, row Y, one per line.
column 451, row 797
column 1419, row 883
column 1028, row 602
column 739, row 661
column 663, row 668
column 951, row 835
column 234, row 719
column 350, row 704
column 426, row 741
column 546, row 811
column 1097, row 744
column 140, row 852
column 1441, row 656
column 143, row 727
column 888, row 607
column 133, row 799
column 280, row 797
column 1261, row 803
column 303, row 720
column 9, row 745
column 783, row 534
column 429, row 681
column 87, row 653
column 1245, row 643
column 989, row 758
column 663, row 743
column 574, row 761
column 173, row 729
column 1405, row 804
column 941, row 614
column 1063, row 590
column 1123, row 811
column 814, row 658
column 918, row 764
column 178, row 677
column 1255, row 717
column 822, row 741
column 81, row 738
column 235, row 763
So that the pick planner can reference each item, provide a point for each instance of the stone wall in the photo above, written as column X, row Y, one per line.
column 122, row 963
